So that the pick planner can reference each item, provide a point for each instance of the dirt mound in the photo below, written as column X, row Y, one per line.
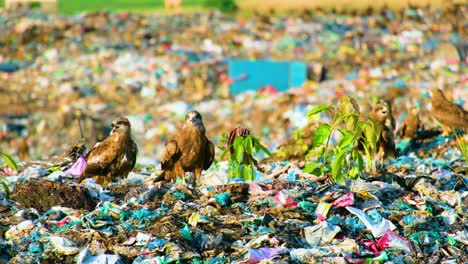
column 44, row 194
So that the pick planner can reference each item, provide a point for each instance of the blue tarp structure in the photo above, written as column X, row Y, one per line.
column 253, row 75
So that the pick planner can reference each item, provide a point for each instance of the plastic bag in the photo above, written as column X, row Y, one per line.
column 285, row 200
column 78, row 167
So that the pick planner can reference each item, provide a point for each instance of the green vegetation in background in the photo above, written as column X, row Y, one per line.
column 74, row 6
column 10, row 162
column 244, row 6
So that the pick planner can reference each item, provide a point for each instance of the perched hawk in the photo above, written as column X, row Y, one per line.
column 114, row 157
column 389, row 119
column 449, row 115
column 382, row 114
column 23, row 148
column 188, row 150
column 410, row 126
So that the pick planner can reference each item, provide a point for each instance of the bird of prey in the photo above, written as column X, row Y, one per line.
column 189, row 150
column 382, row 115
column 114, row 157
column 410, row 126
column 389, row 119
column 449, row 115
column 23, row 148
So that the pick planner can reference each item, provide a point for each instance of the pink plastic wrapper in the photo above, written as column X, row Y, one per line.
column 344, row 200
column 285, row 200
column 392, row 240
column 78, row 167
column 63, row 222
column 257, row 255
column 370, row 245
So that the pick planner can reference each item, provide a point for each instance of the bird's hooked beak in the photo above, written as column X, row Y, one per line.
column 114, row 128
column 384, row 111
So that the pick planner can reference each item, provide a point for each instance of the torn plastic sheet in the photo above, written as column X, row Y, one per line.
column 255, row 255
column 323, row 232
column 391, row 240
column 78, row 167
column 285, row 200
column 344, row 200
column 377, row 229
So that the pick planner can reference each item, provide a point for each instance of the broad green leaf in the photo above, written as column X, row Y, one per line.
column 265, row 150
column 342, row 118
column 252, row 171
column 314, row 168
column 321, row 134
column 353, row 172
column 345, row 105
column 358, row 157
column 317, row 109
column 9, row 160
column 310, row 167
column 368, row 156
column 337, row 165
column 358, row 131
column 315, row 153
column 245, row 173
column 347, row 138
column 248, row 143
column 224, row 153
column 372, row 132
column 259, row 147
column 239, row 148
column 352, row 121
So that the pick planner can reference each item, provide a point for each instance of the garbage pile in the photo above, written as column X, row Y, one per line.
column 414, row 213
column 153, row 69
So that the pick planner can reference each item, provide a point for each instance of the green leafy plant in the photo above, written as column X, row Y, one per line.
column 344, row 159
column 463, row 146
column 226, row 6
column 240, row 155
column 10, row 163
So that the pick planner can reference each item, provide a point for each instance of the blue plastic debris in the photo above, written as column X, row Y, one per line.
column 223, row 199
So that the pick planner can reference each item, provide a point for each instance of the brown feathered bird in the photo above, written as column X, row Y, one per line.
column 189, row 150
column 114, row 157
column 389, row 119
column 23, row 148
column 382, row 115
column 411, row 125
column 449, row 115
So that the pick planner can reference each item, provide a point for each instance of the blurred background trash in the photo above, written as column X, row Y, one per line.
column 65, row 77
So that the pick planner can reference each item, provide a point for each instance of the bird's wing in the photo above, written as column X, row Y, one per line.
column 170, row 154
column 100, row 157
column 387, row 135
column 401, row 131
column 451, row 114
column 210, row 153
column 134, row 153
